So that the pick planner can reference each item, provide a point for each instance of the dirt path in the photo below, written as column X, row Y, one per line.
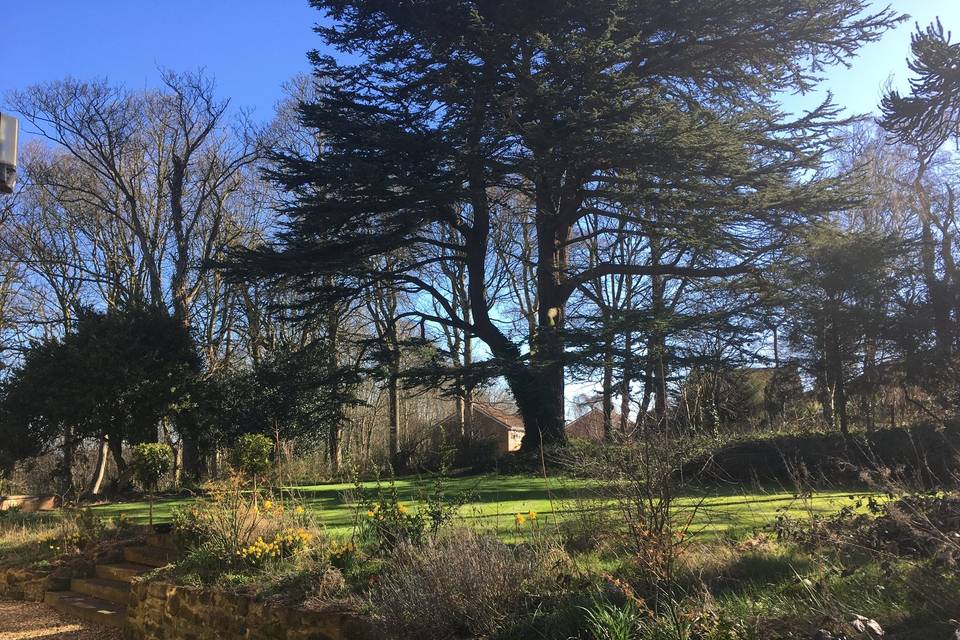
column 34, row 621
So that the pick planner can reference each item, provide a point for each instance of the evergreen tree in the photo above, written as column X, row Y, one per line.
column 115, row 376
column 658, row 116
column 925, row 120
column 930, row 114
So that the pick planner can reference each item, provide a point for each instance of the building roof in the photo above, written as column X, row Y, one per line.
column 509, row 421
column 590, row 424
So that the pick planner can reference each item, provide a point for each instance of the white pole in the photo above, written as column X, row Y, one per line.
column 9, row 131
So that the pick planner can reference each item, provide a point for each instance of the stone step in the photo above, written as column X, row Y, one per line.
column 150, row 556
column 121, row 571
column 112, row 590
column 162, row 541
column 87, row 607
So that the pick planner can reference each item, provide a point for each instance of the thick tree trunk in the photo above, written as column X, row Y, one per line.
column 461, row 411
column 538, row 388
column 540, row 400
column 333, row 344
column 656, row 346
column 333, row 448
column 937, row 288
column 194, row 463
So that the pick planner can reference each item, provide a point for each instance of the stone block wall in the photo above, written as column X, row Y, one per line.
column 23, row 584
column 161, row 611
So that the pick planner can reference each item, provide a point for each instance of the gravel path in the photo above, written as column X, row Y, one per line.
column 34, row 621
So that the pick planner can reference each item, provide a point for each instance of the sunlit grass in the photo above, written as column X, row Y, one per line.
column 494, row 500
column 28, row 538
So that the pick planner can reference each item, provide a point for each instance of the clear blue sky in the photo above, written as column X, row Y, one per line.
column 251, row 48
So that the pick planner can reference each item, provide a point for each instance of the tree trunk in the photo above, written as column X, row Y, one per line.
column 656, row 346
column 333, row 448
column 66, row 464
column 608, row 386
column 393, row 390
column 193, row 462
column 835, row 367
column 937, row 289
column 100, row 469
column 333, row 344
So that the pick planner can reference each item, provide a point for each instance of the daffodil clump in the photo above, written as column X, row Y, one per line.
column 341, row 553
column 521, row 519
column 285, row 544
column 389, row 522
column 240, row 527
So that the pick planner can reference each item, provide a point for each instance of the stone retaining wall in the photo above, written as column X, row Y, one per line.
column 161, row 611
column 23, row 584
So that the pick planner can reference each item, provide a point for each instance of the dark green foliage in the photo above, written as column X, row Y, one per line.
column 737, row 399
column 150, row 462
column 838, row 293
column 298, row 394
column 651, row 119
column 923, row 455
column 931, row 113
column 115, row 375
column 252, row 454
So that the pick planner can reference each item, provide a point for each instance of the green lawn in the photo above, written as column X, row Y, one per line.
column 495, row 499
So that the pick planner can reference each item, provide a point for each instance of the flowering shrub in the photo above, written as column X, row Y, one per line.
column 238, row 530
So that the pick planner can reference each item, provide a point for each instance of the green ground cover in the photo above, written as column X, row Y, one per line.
column 494, row 500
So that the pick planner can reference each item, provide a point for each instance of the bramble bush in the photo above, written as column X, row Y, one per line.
column 385, row 522
column 471, row 585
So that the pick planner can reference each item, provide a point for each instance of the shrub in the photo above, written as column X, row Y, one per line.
column 230, row 531
column 151, row 461
column 607, row 621
column 465, row 585
column 924, row 455
column 913, row 525
column 252, row 454
column 636, row 480
column 387, row 522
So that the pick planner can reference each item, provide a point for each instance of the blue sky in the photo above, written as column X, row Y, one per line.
column 251, row 48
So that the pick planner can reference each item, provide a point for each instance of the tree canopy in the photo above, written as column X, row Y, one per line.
column 443, row 122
